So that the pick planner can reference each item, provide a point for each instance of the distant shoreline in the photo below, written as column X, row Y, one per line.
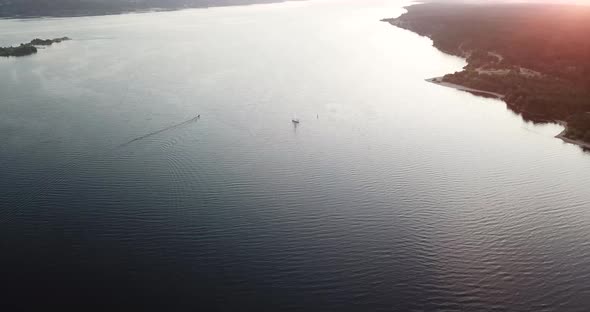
column 8, row 13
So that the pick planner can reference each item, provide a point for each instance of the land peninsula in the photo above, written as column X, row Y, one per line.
column 29, row 48
column 535, row 57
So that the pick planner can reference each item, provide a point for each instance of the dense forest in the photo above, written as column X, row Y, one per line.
column 537, row 55
column 32, row 8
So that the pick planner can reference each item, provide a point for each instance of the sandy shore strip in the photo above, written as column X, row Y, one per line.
column 439, row 81
column 584, row 145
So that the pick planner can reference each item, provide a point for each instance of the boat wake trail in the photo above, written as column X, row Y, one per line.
column 145, row 136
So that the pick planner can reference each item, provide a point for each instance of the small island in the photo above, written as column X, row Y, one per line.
column 29, row 48
column 535, row 57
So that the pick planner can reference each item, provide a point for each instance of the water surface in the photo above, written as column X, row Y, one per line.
column 391, row 194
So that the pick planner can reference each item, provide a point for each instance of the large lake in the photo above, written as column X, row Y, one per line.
column 391, row 194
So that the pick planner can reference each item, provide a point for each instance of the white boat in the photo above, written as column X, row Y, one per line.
column 295, row 120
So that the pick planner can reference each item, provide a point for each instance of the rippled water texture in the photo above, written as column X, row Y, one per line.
column 391, row 194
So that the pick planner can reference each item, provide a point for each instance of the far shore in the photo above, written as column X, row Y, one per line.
column 57, row 11
column 439, row 81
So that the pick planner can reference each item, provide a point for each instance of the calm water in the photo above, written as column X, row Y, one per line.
column 391, row 194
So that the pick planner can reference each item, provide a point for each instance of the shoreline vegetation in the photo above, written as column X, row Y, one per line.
column 25, row 49
column 534, row 57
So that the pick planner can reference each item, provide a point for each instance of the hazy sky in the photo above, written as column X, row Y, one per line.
column 584, row 2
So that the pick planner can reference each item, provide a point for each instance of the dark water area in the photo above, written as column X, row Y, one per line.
column 391, row 193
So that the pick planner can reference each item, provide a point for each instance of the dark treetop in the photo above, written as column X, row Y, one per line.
column 537, row 55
